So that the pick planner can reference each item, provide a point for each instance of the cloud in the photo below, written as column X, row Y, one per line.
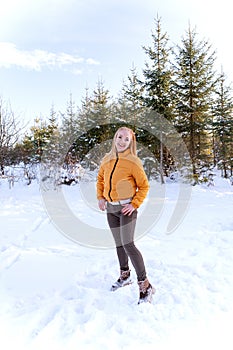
column 92, row 61
column 36, row 60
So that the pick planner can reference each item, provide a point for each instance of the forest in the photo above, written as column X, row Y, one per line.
column 179, row 106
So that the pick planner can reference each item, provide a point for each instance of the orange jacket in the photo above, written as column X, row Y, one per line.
column 122, row 177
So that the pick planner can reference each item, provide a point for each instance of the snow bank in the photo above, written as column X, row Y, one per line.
column 55, row 293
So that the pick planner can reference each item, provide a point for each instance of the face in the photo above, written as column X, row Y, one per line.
column 123, row 140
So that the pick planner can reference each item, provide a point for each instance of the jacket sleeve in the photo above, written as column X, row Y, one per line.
column 100, row 183
column 141, row 183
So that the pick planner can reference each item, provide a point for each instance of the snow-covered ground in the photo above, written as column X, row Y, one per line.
column 55, row 293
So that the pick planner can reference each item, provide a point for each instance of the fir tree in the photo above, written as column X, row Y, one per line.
column 94, row 123
column 131, row 102
column 193, row 86
column 158, row 74
column 223, row 126
column 53, row 121
column 157, row 84
column 80, row 147
column 69, row 125
column 100, row 105
column 84, row 112
column 53, row 146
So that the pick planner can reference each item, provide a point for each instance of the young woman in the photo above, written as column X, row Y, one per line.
column 122, row 186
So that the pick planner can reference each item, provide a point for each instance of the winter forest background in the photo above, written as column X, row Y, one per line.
column 179, row 82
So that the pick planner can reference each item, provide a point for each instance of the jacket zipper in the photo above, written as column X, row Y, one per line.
column 110, row 179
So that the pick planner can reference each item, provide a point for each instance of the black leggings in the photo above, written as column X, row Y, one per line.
column 122, row 228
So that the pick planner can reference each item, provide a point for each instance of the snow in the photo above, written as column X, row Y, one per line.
column 55, row 293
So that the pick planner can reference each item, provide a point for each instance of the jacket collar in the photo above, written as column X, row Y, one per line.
column 124, row 154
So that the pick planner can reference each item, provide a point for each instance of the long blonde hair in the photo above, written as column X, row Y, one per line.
column 133, row 143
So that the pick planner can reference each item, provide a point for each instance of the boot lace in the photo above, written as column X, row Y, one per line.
column 143, row 286
column 124, row 275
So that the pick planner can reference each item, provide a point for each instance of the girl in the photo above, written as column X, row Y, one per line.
column 122, row 186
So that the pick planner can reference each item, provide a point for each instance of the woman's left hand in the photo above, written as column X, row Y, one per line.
column 128, row 209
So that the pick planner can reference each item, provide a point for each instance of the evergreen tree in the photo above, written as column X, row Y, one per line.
column 69, row 125
column 158, row 77
column 131, row 102
column 28, row 154
column 158, row 74
column 53, row 149
column 38, row 139
column 132, row 112
column 223, row 126
column 53, row 122
column 80, row 146
column 193, row 86
column 100, row 106
column 84, row 112
column 69, row 132
column 94, row 124
column 35, row 143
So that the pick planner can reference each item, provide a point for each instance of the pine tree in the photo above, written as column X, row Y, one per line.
column 131, row 102
column 29, row 153
column 69, row 129
column 80, row 146
column 55, row 150
column 100, row 105
column 84, row 112
column 158, row 77
column 158, row 74
column 53, row 122
column 53, row 143
column 39, row 136
column 132, row 112
column 193, row 86
column 69, row 125
column 94, row 123
column 223, row 126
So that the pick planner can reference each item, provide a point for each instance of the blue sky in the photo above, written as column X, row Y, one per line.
column 52, row 48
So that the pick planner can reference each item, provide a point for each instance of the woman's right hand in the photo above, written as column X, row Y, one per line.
column 102, row 204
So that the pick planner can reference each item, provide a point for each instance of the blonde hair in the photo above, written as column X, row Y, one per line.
column 133, row 144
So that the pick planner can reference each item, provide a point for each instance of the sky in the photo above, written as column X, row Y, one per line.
column 50, row 49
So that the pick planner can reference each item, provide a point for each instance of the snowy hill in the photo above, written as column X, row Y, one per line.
column 55, row 293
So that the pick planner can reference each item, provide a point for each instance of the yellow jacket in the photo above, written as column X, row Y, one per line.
column 122, row 177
